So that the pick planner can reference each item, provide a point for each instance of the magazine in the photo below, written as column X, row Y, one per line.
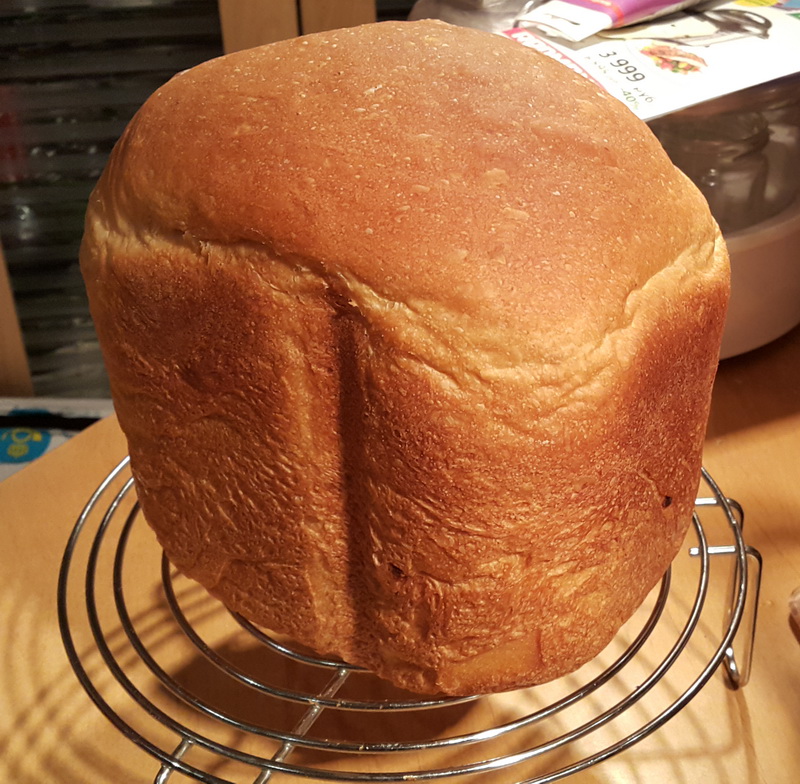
column 683, row 59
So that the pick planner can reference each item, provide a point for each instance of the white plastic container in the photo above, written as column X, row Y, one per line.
column 765, row 282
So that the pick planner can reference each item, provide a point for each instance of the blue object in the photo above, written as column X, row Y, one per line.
column 23, row 444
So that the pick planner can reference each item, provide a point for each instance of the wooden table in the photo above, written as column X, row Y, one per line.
column 51, row 732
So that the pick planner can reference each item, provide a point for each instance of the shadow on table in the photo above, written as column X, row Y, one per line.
column 758, row 387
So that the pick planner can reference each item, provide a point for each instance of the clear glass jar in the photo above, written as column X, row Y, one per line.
column 492, row 15
column 725, row 157
column 741, row 150
column 780, row 107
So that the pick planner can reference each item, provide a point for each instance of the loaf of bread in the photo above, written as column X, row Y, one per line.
column 412, row 333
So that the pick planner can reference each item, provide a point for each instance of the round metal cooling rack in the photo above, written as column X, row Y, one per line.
column 536, row 740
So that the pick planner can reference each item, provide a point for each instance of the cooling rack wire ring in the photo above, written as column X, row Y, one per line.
column 744, row 582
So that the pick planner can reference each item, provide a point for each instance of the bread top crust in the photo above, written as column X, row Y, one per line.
column 478, row 185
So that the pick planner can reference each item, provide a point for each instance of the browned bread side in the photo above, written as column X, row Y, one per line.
column 412, row 333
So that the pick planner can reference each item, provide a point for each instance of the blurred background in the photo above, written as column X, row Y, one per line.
column 72, row 74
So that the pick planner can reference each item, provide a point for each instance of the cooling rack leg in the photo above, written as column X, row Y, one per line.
column 304, row 725
column 164, row 774
column 739, row 656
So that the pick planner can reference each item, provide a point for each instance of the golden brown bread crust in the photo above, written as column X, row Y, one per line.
column 412, row 333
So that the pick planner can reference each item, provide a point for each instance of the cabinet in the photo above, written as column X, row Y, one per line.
column 247, row 23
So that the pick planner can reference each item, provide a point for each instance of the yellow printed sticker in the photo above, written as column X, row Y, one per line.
column 22, row 444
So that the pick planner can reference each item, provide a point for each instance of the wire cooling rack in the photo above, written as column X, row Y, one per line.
column 214, row 699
